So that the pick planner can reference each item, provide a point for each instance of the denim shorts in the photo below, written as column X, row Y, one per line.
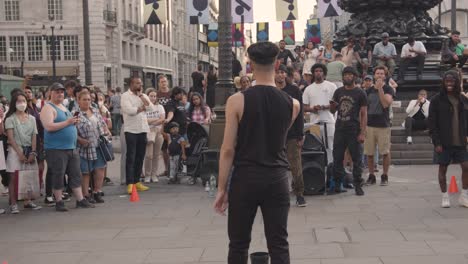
column 452, row 155
column 93, row 164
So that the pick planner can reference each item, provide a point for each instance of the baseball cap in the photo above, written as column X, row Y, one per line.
column 283, row 67
column 369, row 77
column 385, row 35
column 56, row 86
column 172, row 124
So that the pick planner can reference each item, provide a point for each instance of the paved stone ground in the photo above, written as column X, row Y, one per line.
column 398, row 224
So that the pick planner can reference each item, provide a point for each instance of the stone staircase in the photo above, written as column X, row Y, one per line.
column 420, row 152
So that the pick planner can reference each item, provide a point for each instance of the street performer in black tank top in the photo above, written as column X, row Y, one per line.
column 257, row 123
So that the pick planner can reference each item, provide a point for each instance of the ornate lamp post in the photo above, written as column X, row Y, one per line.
column 52, row 40
column 225, row 84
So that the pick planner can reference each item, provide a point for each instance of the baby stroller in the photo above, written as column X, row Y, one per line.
column 198, row 137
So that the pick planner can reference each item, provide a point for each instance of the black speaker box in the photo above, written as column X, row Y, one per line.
column 313, row 171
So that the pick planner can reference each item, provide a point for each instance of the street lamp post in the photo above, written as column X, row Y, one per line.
column 454, row 15
column 224, row 86
column 52, row 41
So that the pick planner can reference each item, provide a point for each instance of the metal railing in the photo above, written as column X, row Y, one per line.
column 110, row 16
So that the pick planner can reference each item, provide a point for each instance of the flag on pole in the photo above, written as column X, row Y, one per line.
column 198, row 11
column 154, row 12
column 262, row 32
column 329, row 8
column 313, row 31
column 288, row 32
column 238, row 35
column 212, row 35
column 242, row 11
column 286, row 10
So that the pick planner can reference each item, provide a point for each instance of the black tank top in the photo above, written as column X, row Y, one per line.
column 261, row 138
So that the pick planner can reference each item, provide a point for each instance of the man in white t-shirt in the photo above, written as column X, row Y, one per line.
column 412, row 52
column 316, row 100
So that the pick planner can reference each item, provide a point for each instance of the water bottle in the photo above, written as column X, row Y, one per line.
column 212, row 191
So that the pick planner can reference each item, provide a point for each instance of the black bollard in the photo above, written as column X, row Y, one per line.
column 259, row 258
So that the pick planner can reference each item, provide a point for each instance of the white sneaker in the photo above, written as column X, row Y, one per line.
column 463, row 200
column 207, row 187
column 14, row 209
column 2, row 211
column 445, row 201
column 409, row 140
column 147, row 179
column 155, row 178
column 4, row 191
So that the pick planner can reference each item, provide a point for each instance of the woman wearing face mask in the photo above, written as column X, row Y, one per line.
column 418, row 112
column 21, row 131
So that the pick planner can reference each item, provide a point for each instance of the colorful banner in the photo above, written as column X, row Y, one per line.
column 242, row 11
column 313, row 31
column 154, row 12
column 288, row 32
column 198, row 11
column 212, row 35
column 263, row 33
column 329, row 8
column 238, row 35
column 286, row 10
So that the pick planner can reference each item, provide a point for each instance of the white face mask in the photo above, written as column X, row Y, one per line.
column 100, row 103
column 21, row 106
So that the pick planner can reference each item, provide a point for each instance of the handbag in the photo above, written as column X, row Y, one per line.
column 27, row 182
column 105, row 147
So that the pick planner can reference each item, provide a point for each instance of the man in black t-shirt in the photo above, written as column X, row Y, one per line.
column 379, row 100
column 350, row 103
column 198, row 79
column 284, row 53
column 363, row 55
column 177, row 109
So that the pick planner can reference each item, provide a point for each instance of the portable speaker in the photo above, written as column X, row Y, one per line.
column 313, row 171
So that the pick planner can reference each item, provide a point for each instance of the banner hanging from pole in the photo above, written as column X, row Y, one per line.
column 329, row 8
column 154, row 12
column 313, row 31
column 198, row 11
column 242, row 11
column 286, row 10
column 238, row 35
column 212, row 35
column 288, row 32
column 263, row 33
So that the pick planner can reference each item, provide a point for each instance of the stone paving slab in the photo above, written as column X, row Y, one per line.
column 401, row 223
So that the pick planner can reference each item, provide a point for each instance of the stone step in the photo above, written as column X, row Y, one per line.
column 400, row 131
column 412, row 147
column 418, row 154
column 416, row 140
column 412, row 162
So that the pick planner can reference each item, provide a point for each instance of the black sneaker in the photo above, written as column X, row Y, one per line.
column 60, row 207
column 384, row 180
column 338, row 189
column 65, row 197
column 300, row 201
column 108, row 181
column 49, row 201
column 84, row 204
column 358, row 190
column 90, row 199
column 98, row 198
column 371, row 180
column 101, row 193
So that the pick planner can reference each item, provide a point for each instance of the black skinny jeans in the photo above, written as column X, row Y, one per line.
column 412, row 124
column 136, row 148
column 250, row 189
column 347, row 139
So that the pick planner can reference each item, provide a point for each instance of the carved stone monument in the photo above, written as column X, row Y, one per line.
column 399, row 18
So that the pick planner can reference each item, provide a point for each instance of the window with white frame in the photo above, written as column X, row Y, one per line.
column 17, row 48
column 57, row 49
column 34, row 48
column 3, row 53
column 12, row 12
column 70, row 47
column 55, row 9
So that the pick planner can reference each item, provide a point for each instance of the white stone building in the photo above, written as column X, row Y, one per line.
column 446, row 17
column 121, row 46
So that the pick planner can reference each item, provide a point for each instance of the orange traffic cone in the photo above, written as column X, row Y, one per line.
column 453, row 188
column 134, row 196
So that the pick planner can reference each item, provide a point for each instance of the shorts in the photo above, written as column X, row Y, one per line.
column 99, row 163
column 61, row 162
column 452, row 155
column 377, row 136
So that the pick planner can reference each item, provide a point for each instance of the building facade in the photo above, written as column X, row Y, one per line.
column 121, row 45
column 446, row 17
